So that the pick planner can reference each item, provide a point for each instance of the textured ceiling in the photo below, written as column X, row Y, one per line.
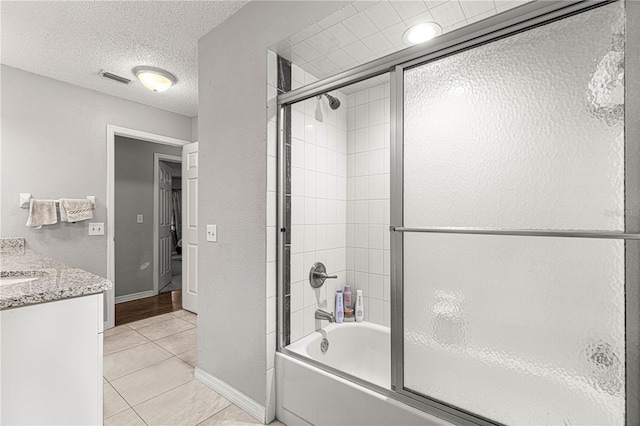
column 73, row 41
column 367, row 30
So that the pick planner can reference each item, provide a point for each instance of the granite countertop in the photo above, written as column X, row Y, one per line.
column 51, row 278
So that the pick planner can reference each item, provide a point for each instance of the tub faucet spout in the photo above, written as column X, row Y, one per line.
column 324, row 315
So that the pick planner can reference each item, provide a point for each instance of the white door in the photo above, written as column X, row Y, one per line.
column 164, row 224
column 190, row 227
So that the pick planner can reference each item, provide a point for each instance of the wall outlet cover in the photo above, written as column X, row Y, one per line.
column 139, row 218
column 96, row 228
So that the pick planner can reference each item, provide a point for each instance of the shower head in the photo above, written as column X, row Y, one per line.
column 334, row 103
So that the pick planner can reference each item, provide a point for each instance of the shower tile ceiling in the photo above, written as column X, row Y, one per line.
column 367, row 30
column 73, row 41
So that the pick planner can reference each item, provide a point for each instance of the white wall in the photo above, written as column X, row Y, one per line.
column 194, row 129
column 54, row 145
column 232, row 131
column 368, row 250
column 318, row 205
column 133, row 196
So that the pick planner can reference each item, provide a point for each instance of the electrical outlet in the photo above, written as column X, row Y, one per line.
column 96, row 229
column 139, row 218
column 212, row 233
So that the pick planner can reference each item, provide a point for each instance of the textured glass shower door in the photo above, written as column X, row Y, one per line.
column 523, row 134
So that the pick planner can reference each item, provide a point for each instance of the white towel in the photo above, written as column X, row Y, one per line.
column 42, row 212
column 75, row 210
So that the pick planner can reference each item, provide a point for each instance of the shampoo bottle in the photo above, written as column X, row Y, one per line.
column 339, row 307
column 348, row 306
column 359, row 307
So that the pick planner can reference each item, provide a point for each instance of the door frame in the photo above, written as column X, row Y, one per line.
column 157, row 157
column 112, row 132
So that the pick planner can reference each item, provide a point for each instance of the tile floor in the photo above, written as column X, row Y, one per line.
column 148, row 376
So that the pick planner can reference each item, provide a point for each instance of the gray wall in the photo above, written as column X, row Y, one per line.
column 133, row 196
column 194, row 129
column 233, row 154
column 54, row 145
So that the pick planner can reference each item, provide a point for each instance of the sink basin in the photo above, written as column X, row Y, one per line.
column 16, row 280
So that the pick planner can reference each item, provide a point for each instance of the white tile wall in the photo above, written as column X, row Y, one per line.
column 318, row 204
column 368, row 183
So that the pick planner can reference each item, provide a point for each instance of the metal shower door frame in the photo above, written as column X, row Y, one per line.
column 631, row 234
column 503, row 25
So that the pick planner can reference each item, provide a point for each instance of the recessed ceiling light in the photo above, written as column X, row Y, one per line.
column 155, row 79
column 422, row 32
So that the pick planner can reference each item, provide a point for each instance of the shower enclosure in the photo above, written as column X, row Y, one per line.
column 488, row 206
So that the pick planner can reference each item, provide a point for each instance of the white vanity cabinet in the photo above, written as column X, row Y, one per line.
column 51, row 362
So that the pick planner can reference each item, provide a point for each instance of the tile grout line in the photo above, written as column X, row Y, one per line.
column 168, row 390
column 145, row 337
column 123, row 398
column 188, row 350
column 158, row 362
column 139, row 416
column 155, row 323
column 217, row 412
column 169, row 335
column 193, row 379
column 126, row 349
column 113, row 328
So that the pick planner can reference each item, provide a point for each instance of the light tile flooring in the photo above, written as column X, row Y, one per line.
column 148, row 376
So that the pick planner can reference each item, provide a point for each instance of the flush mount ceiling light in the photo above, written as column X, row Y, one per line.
column 155, row 79
column 421, row 32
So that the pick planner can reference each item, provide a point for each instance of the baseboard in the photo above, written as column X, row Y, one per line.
column 134, row 296
column 232, row 394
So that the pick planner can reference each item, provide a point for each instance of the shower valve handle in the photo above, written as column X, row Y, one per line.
column 318, row 275
column 325, row 276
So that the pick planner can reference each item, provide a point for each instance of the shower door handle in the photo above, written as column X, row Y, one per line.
column 318, row 275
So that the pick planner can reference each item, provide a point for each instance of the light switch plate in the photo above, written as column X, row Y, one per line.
column 212, row 233
column 139, row 218
column 96, row 229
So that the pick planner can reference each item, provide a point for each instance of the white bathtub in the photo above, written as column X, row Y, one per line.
column 360, row 349
column 310, row 395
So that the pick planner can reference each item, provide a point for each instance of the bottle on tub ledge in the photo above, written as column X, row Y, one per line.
column 339, row 307
column 348, row 305
column 359, row 306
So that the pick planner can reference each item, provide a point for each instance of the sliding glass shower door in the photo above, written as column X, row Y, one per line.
column 512, row 254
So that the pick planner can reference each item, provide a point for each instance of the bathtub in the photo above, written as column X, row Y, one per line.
column 362, row 349
column 308, row 394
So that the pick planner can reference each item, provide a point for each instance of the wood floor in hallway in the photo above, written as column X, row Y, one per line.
column 148, row 307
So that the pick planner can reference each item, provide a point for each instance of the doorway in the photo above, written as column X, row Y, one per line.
column 146, row 176
column 132, row 240
column 168, row 223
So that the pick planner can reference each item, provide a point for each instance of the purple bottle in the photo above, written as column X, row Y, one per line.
column 348, row 306
column 339, row 307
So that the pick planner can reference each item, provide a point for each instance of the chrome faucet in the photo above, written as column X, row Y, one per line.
column 318, row 274
column 324, row 315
